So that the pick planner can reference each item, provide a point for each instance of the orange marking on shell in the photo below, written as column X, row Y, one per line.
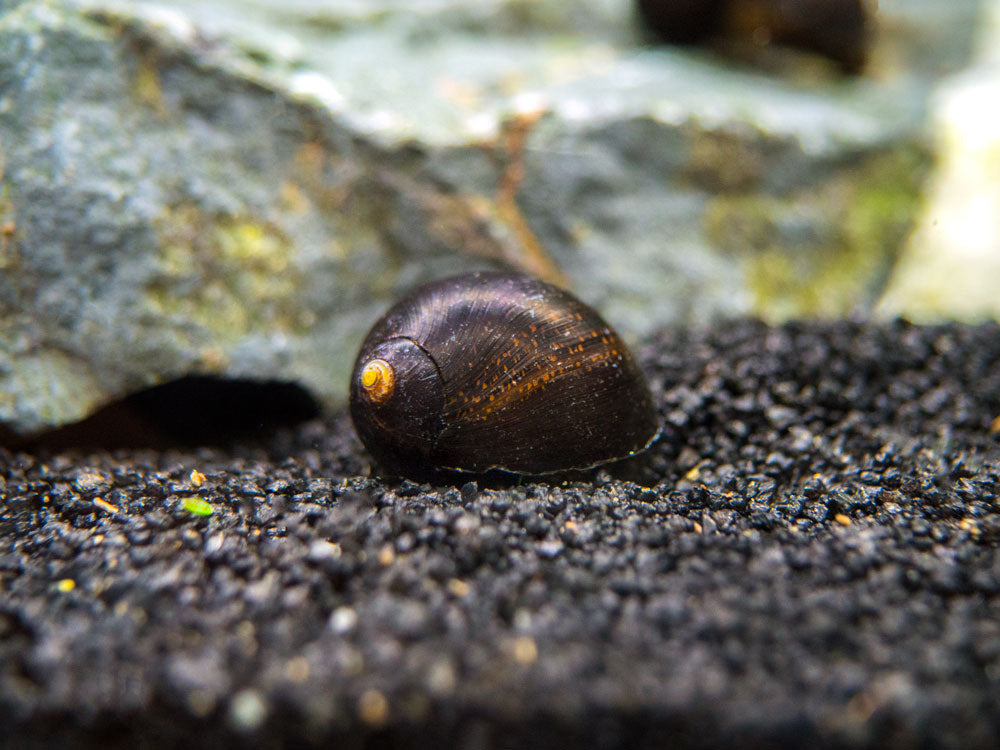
column 561, row 361
column 377, row 380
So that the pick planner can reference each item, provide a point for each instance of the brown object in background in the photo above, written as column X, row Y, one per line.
column 682, row 21
column 836, row 29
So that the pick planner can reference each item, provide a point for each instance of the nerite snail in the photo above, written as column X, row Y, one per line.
column 497, row 371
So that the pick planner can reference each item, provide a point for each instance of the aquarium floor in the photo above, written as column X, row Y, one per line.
column 810, row 556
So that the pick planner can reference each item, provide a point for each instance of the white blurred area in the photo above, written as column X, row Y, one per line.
column 951, row 268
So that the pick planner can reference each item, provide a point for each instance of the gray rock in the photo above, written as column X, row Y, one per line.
column 926, row 38
column 241, row 187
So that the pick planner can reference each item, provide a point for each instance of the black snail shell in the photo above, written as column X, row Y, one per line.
column 497, row 371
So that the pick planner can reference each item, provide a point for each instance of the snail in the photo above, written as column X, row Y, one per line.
column 497, row 371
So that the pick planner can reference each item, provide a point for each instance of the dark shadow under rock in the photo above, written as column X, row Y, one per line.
column 189, row 411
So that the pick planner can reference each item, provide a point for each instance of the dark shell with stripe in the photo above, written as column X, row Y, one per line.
column 500, row 371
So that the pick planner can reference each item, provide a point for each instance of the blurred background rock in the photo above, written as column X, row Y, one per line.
column 240, row 188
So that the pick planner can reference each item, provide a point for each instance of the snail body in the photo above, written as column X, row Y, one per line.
column 497, row 371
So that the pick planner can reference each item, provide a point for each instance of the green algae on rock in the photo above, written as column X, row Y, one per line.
column 825, row 251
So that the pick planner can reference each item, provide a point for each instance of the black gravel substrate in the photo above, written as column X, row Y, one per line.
column 809, row 558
